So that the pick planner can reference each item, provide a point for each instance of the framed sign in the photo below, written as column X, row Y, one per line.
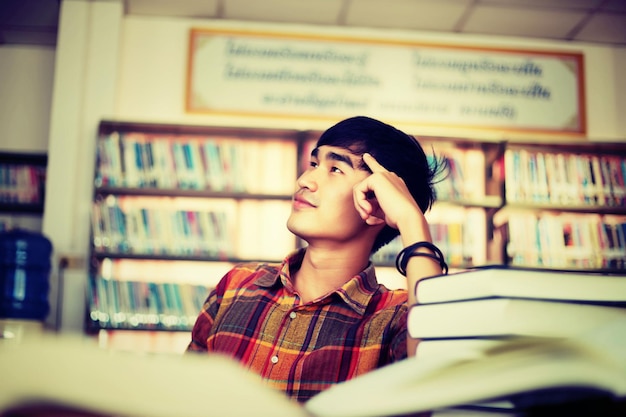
column 295, row 75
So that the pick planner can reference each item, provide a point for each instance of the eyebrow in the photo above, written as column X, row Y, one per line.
column 334, row 156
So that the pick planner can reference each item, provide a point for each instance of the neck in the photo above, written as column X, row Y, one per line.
column 323, row 270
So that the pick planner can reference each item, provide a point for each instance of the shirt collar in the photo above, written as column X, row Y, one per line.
column 356, row 293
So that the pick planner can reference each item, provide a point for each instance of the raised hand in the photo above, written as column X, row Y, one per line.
column 384, row 197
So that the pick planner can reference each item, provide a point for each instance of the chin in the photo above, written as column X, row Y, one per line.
column 291, row 227
column 298, row 231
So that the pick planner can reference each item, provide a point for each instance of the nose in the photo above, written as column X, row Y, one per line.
column 307, row 180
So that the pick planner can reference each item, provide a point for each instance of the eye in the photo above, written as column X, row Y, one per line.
column 313, row 164
column 336, row 169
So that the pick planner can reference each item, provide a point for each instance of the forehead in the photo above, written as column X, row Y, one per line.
column 335, row 153
column 328, row 151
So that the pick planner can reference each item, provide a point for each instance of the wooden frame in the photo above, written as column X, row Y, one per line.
column 281, row 74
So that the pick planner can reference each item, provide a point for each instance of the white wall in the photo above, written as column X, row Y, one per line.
column 606, row 93
column 619, row 68
column 153, row 65
column 108, row 65
column 83, row 93
column 26, row 74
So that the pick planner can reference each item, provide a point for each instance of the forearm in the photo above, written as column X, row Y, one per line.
column 414, row 230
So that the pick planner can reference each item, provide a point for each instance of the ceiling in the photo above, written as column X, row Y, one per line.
column 592, row 21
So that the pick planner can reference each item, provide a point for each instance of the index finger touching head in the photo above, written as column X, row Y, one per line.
column 372, row 163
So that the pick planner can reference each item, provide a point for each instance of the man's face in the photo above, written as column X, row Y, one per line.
column 323, row 205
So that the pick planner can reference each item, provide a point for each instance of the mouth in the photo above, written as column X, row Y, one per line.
column 300, row 202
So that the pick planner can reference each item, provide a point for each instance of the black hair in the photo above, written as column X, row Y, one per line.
column 396, row 151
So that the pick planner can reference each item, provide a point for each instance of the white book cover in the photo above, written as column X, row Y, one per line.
column 504, row 281
column 492, row 317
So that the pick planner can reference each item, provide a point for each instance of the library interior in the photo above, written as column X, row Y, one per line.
column 148, row 147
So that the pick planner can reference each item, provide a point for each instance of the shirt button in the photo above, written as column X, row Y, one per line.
column 292, row 314
column 274, row 359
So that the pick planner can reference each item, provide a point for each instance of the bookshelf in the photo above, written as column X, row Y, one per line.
column 565, row 206
column 174, row 208
column 22, row 190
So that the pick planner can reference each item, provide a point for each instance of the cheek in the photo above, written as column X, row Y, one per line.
column 346, row 210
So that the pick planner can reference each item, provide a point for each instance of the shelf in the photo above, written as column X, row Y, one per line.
column 155, row 225
column 173, row 204
column 99, row 255
column 22, row 189
column 22, row 208
column 559, row 208
column 174, row 192
column 487, row 202
column 23, row 158
column 147, row 341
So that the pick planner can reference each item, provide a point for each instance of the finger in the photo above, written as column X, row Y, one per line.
column 363, row 212
column 363, row 206
column 372, row 163
column 366, row 211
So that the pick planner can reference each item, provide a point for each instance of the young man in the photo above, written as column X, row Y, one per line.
column 320, row 317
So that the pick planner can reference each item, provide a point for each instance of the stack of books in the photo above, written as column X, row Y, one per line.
column 469, row 315
column 465, row 312
column 504, row 341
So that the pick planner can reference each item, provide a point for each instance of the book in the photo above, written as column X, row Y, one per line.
column 72, row 376
column 456, row 231
column 542, row 374
column 491, row 307
column 453, row 348
column 507, row 281
column 491, row 317
column 538, row 239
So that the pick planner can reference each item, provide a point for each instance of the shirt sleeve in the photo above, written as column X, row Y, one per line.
column 398, row 346
column 204, row 321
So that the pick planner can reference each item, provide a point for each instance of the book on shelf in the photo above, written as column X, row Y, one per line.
column 74, row 376
column 149, row 294
column 21, row 183
column 564, row 239
column 565, row 177
column 196, row 162
column 177, row 226
column 124, row 304
column 461, row 161
column 458, row 231
column 261, row 231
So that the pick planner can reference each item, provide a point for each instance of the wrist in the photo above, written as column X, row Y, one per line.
column 414, row 229
column 422, row 249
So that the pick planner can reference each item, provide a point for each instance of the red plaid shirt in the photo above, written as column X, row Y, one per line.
column 255, row 316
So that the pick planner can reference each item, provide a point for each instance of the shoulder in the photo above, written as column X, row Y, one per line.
column 390, row 303
column 395, row 297
column 249, row 273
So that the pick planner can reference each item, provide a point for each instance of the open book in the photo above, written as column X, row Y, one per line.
column 72, row 374
column 59, row 372
column 593, row 365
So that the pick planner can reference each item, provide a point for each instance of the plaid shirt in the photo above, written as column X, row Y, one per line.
column 255, row 316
